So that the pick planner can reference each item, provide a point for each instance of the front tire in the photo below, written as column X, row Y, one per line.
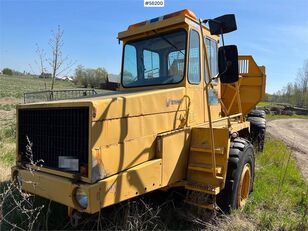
column 240, row 176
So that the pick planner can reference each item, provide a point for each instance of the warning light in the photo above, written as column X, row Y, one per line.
column 185, row 12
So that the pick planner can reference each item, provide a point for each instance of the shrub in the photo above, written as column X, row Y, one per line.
column 7, row 71
column 88, row 77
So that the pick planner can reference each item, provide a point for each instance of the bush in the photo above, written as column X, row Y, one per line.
column 87, row 77
column 7, row 71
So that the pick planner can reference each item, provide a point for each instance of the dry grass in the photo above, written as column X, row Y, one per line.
column 236, row 221
column 5, row 172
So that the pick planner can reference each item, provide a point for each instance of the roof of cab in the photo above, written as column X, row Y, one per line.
column 182, row 16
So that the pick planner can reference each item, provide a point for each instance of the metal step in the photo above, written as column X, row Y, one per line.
column 218, row 150
column 213, row 190
column 204, row 168
column 205, row 206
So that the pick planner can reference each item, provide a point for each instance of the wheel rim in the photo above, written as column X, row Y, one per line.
column 243, row 190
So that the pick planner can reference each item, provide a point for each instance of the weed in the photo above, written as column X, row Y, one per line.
column 9, row 131
column 8, row 157
column 7, row 107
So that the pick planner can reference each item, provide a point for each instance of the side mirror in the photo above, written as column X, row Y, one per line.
column 223, row 24
column 228, row 64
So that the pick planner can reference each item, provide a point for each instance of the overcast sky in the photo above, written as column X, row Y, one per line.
column 274, row 32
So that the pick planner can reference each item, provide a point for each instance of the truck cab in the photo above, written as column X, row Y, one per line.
column 168, row 53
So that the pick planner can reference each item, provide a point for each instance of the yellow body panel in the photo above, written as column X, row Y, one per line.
column 202, row 162
column 173, row 149
column 125, row 128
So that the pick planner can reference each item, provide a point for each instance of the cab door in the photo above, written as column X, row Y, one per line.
column 195, row 84
column 214, row 89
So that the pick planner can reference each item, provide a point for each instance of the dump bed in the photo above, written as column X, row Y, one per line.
column 251, row 87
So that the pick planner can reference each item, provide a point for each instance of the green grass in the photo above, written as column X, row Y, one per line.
column 264, row 104
column 279, row 200
column 7, row 142
column 271, row 117
column 280, row 197
column 16, row 86
column 7, row 107
column 8, row 157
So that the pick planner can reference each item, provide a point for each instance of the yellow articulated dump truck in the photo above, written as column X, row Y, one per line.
column 178, row 119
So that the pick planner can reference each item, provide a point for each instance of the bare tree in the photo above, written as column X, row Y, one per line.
column 302, row 79
column 41, row 63
column 57, row 62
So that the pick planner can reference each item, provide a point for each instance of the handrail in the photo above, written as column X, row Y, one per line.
column 50, row 95
column 248, row 66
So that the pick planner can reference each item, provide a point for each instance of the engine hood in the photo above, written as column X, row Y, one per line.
column 120, row 104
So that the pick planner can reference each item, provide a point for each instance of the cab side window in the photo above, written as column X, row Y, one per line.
column 130, row 72
column 194, row 58
column 211, row 46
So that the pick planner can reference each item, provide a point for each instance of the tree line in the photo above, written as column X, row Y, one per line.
column 295, row 93
column 87, row 77
column 83, row 77
column 9, row 71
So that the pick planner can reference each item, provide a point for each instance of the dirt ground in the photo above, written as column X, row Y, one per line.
column 10, row 100
column 294, row 132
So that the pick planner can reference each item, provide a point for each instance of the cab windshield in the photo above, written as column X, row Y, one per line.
column 155, row 61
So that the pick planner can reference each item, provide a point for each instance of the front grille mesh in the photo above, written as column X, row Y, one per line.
column 53, row 132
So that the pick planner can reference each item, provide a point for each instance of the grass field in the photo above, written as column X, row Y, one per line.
column 264, row 104
column 15, row 86
column 271, row 117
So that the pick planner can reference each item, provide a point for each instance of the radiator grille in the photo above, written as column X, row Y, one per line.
column 54, row 132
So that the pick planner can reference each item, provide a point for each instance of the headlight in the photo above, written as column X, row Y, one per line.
column 81, row 198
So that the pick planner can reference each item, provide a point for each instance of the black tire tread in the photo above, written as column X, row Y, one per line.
column 257, row 129
column 238, row 148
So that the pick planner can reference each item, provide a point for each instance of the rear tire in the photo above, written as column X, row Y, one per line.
column 257, row 132
column 257, row 113
column 240, row 176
